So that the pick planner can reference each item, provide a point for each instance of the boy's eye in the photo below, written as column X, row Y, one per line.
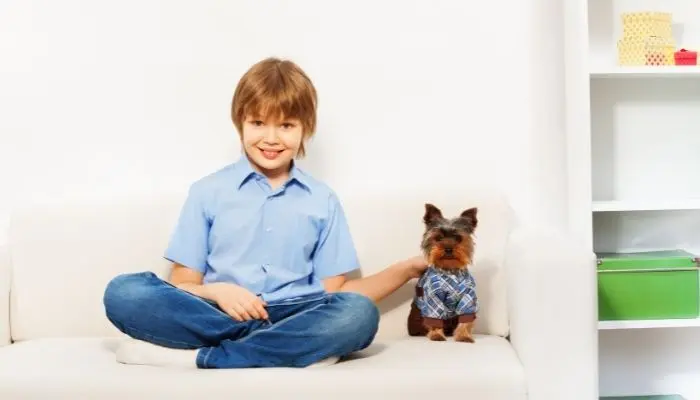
column 257, row 123
column 287, row 125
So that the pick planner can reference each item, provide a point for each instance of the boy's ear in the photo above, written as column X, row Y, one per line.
column 469, row 216
column 432, row 214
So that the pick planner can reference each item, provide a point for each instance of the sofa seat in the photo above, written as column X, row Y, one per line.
column 410, row 368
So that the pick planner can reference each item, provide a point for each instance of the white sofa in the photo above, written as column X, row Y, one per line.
column 536, row 333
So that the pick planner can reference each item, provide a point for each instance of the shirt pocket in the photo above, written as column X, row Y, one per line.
column 234, row 227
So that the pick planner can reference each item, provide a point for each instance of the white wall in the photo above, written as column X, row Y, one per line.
column 105, row 96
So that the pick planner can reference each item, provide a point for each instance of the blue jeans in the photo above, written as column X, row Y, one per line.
column 298, row 334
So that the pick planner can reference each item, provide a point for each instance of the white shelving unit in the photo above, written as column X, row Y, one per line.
column 633, row 151
column 655, row 323
column 645, row 72
column 645, row 205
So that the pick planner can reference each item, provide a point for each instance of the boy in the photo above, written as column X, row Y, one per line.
column 260, row 254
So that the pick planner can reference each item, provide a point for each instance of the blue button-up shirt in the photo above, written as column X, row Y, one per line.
column 279, row 244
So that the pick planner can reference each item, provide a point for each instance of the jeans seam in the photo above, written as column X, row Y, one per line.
column 291, row 303
column 148, row 335
column 205, row 359
column 286, row 320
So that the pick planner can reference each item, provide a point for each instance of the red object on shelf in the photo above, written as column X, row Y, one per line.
column 686, row 57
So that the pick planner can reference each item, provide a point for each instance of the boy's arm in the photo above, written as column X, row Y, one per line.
column 190, row 281
column 381, row 284
column 336, row 256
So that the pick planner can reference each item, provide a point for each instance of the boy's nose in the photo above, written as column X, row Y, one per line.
column 271, row 135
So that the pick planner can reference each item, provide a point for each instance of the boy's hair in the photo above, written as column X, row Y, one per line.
column 274, row 88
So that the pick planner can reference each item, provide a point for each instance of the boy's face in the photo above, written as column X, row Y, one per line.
column 272, row 144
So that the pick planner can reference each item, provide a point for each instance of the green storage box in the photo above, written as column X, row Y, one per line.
column 648, row 285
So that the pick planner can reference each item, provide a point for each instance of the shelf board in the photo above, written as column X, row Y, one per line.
column 649, row 324
column 671, row 71
column 645, row 205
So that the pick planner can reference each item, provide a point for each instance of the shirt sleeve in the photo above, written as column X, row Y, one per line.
column 469, row 303
column 335, row 253
column 189, row 242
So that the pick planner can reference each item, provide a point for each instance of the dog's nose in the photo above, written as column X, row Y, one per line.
column 448, row 251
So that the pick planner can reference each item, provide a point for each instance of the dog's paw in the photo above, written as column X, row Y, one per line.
column 464, row 338
column 463, row 333
column 436, row 335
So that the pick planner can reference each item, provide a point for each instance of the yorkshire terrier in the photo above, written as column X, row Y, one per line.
column 445, row 302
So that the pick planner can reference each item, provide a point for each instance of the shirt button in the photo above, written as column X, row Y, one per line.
column 268, row 230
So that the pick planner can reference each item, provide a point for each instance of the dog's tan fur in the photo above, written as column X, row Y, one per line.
column 463, row 332
column 436, row 334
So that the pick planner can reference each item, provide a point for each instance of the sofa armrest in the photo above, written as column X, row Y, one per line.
column 5, row 281
column 552, row 300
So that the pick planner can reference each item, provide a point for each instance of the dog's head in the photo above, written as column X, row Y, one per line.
column 448, row 242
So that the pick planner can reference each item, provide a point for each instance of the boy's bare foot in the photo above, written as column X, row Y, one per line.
column 132, row 351
column 324, row 363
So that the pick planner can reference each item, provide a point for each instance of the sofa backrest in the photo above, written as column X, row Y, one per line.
column 64, row 253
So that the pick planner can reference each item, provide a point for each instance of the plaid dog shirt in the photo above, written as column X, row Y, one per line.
column 447, row 295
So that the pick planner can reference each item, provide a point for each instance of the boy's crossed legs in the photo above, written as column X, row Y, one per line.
column 298, row 334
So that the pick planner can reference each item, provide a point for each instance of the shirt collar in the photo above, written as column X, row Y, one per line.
column 297, row 175
column 244, row 171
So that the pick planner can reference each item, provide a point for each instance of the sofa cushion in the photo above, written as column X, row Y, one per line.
column 413, row 368
column 65, row 252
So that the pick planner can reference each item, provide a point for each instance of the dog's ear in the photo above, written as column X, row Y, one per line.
column 470, row 217
column 432, row 214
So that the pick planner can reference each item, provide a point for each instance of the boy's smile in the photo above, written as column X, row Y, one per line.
column 270, row 154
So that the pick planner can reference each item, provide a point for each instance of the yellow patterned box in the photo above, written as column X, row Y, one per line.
column 648, row 23
column 645, row 51
column 647, row 39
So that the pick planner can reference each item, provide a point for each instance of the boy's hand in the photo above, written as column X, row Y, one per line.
column 415, row 266
column 238, row 302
